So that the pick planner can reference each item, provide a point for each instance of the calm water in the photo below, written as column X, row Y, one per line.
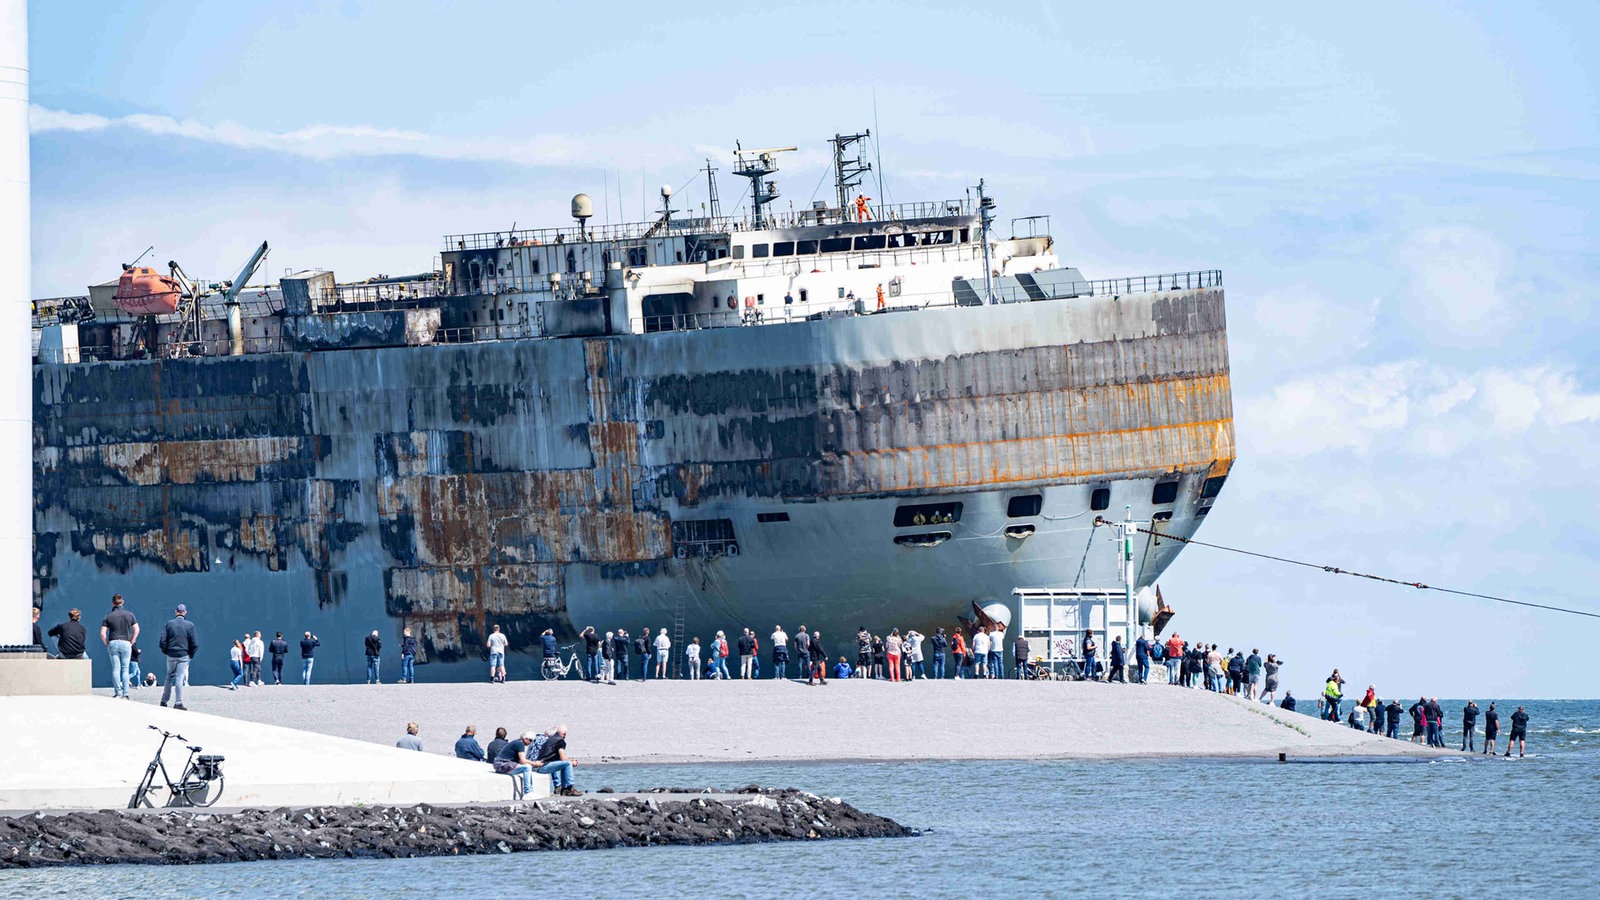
column 998, row 829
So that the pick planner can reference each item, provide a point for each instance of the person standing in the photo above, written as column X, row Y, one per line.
column 747, row 648
column 467, row 745
column 1519, row 733
column 1419, row 719
column 980, row 652
column 1332, row 692
column 802, row 651
column 179, row 644
column 1252, row 672
column 1141, row 660
column 1090, row 648
column 880, row 659
column 308, row 653
column 1119, row 662
column 691, row 659
column 913, row 647
column 1436, row 721
column 940, row 645
column 1020, row 655
column 135, row 677
column 1394, row 709
column 863, row 652
column 118, row 632
column 71, row 637
column 1269, row 687
column 620, row 650
column 997, row 652
column 719, row 655
column 663, row 652
column 641, row 651
column 279, row 648
column 1491, row 729
column 958, row 653
column 374, row 647
column 1175, row 660
column 608, row 658
column 780, row 652
column 496, row 643
column 258, row 652
column 1469, row 726
column 236, row 660
column 819, row 659
column 892, row 646
column 408, row 657
column 591, row 653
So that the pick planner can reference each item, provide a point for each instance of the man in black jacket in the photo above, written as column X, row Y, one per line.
column 279, row 648
column 802, row 650
column 374, row 651
column 308, row 652
column 71, row 638
column 819, row 660
column 641, row 650
column 1469, row 726
column 938, row 642
column 620, row 650
column 179, row 643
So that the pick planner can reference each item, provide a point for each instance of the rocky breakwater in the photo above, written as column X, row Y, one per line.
column 596, row 822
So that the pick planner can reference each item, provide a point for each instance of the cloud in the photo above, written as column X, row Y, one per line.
column 1414, row 408
column 324, row 142
column 1460, row 283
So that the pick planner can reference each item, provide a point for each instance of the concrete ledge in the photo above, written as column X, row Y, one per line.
column 35, row 674
column 266, row 766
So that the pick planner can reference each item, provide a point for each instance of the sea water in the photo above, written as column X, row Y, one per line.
column 994, row 829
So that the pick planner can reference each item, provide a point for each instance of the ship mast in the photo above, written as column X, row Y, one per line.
column 848, row 170
column 986, row 217
column 711, row 191
column 756, row 165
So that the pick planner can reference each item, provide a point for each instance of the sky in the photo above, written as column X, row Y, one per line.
column 1402, row 199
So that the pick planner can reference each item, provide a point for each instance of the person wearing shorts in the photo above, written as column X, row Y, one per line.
column 497, row 655
column 1519, row 732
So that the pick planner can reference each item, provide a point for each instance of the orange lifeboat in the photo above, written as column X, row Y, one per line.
column 142, row 291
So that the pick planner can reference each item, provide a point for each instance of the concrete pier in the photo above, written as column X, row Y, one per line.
column 737, row 721
column 91, row 752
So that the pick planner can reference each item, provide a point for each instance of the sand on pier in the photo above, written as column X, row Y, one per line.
column 738, row 721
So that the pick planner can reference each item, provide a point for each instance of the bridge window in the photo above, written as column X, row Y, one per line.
column 805, row 248
column 783, row 248
column 738, row 251
column 1024, row 506
column 759, row 251
column 870, row 242
column 1212, row 487
column 927, row 514
column 835, row 245
column 1100, row 498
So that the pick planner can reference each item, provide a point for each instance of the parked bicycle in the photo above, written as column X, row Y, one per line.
column 199, row 785
column 554, row 669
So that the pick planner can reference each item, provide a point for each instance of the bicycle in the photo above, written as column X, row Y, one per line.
column 553, row 669
column 199, row 785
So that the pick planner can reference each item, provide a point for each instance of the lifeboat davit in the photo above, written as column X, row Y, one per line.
column 142, row 291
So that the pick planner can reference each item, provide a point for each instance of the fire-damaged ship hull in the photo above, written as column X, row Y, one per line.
column 874, row 469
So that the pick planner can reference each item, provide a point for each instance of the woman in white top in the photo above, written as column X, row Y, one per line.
column 236, row 659
column 914, row 654
column 692, row 658
column 980, row 652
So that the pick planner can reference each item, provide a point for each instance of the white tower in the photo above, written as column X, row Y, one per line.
column 16, row 322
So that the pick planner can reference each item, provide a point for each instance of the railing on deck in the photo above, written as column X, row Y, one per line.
column 634, row 231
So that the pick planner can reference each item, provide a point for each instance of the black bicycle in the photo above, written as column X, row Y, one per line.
column 200, row 784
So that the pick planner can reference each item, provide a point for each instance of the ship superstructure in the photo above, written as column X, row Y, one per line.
column 856, row 413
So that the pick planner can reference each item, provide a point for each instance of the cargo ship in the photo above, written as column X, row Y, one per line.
column 853, row 413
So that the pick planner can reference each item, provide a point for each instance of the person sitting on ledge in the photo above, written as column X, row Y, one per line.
column 554, row 761
column 842, row 670
column 1288, row 701
column 410, row 741
column 467, row 745
column 513, row 760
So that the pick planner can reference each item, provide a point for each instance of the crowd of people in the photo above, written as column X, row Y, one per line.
column 901, row 655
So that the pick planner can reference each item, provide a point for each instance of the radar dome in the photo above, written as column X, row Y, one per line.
column 582, row 207
column 666, row 192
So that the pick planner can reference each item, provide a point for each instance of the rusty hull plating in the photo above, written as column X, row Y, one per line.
column 535, row 483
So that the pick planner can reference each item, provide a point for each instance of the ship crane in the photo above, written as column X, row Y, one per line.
column 757, row 165
column 190, row 294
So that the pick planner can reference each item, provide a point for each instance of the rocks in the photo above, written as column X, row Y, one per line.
column 88, row 838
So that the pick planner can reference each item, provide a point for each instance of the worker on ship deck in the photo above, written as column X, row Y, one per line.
column 862, row 212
